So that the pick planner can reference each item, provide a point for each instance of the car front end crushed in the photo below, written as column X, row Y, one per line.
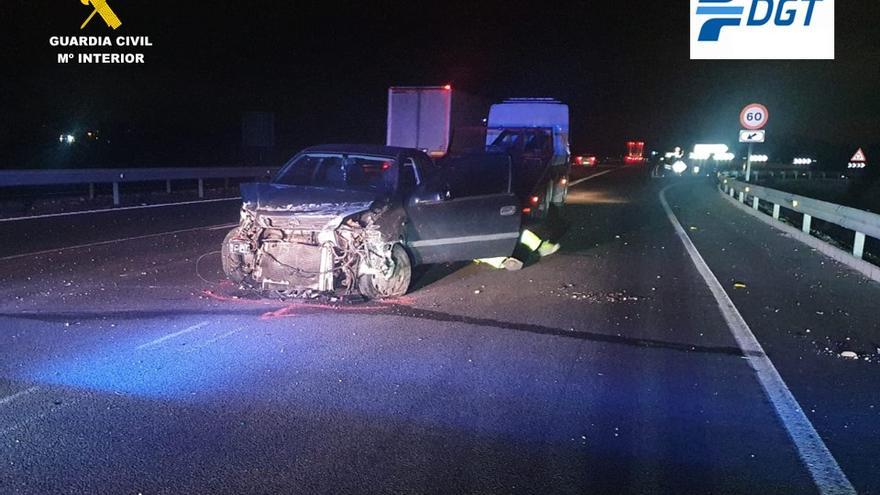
column 312, row 246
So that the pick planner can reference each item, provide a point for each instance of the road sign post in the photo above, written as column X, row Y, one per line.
column 753, row 118
column 749, row 164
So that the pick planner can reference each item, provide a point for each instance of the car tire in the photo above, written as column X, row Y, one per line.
column 377, row 287
column 232, row 263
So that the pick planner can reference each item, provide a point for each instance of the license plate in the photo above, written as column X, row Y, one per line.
column 239, row 247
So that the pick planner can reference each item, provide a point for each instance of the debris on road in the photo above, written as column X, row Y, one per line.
column 569, row 291
column 849, row 355
column 739, row 285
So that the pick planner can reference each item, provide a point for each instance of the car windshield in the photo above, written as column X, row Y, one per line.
column 340, row 171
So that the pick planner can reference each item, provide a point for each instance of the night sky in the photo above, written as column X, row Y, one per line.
column 323, row 68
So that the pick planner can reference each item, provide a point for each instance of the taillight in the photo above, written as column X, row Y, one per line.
column 535, row 199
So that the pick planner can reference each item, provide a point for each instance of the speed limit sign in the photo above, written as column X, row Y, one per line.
column 754, row 116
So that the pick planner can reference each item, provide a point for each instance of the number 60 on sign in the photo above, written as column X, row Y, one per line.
column 754, row 116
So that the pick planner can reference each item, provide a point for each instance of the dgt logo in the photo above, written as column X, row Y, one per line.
column 762, row 29
column 105, row 12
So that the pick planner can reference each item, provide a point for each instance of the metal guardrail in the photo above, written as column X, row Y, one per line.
column 863, row 223
column 789, row 175
column 20, row 178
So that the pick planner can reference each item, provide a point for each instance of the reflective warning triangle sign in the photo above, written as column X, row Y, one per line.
column 859, row 156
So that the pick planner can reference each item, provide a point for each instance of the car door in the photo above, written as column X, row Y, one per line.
column 467, row 211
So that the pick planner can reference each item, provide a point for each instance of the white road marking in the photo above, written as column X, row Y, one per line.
column 600, row 174
column 215, row 339
column 111, row 210
column 113, row 241
column 826, row 473
column 30, row 419
column 10, row 398
column 170, row 336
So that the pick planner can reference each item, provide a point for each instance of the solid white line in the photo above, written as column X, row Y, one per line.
column 172, row 335
column 600, row 174
column 10, row 398
column 819, row 461
column 111, row 210
column 114, row 241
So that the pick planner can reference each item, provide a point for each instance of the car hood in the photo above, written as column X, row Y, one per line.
column 332, row 205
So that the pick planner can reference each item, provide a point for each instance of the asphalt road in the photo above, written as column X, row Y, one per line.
column 129, row 366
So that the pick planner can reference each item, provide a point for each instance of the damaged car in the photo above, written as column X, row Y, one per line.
column 356, row 219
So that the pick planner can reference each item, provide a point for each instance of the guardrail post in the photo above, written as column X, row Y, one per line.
column 742, row 197
column 859, row 245
column 201, row 188
column 91, row 190
column 808, row 220
column 776, row 211
column 168, row 186
column 731, row 191
column 755, row 202
column 115, row 194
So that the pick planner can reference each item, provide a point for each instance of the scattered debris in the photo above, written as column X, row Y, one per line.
column 570, row 291
column 739, row 285
column 849, row 355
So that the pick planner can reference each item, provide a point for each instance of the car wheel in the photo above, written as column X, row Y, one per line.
column 378, row 287
column 232, row 263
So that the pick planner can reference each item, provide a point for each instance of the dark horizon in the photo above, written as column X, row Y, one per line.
column 324, row 72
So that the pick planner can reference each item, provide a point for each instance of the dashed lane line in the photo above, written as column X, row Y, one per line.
column 10, row 398
column 170, row 336
column 600, row 174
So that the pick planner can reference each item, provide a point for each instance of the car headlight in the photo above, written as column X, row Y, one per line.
column 246, row 216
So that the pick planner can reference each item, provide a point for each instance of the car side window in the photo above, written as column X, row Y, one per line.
column 409, row 176
column 478, row 175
